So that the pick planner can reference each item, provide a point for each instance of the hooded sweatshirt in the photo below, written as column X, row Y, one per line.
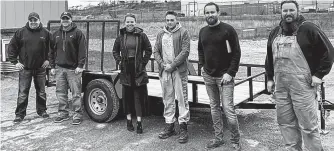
column 68, row 48
column 30, row 45
column 167, row 44
column 181, row 49
column 316, row 47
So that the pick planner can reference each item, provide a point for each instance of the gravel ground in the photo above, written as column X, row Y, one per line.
column 259, row 130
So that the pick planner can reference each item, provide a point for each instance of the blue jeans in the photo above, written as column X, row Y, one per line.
column 222, row 94
column 67, row 78
column 25, row 77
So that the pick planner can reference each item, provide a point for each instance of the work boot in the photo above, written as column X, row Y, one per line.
column 129, row 125
column 43, row 114
column 214, row 143
column 60, row 119
column 183, row 138
column 139, row 128
column 18, row 119
column 168, row 131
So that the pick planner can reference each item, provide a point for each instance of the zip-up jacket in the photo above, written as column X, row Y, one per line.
column 30, row 45
column 181, row 44
column 315, row 45
column 143, row 54
column 68, row 48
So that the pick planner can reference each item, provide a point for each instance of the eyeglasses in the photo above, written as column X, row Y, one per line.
column 171, row 20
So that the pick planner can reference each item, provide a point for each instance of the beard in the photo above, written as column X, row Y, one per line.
column 284, row 18
column 34, row 25
column 212, row 20
column 289, row 27
column 66, row 23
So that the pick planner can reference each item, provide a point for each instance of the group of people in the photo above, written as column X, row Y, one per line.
column 299, row 55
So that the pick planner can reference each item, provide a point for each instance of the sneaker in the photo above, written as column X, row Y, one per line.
column 129, row 125
column 18, row 119
column 76, row 121
column 168, row 131
column 214, row 144
column 44, row 114
column 183, row 138
column 60, row 119
column 236, row 147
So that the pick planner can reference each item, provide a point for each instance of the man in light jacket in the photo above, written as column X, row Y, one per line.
column 171, row 52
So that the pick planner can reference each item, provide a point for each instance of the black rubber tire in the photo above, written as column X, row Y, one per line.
column 113, row 103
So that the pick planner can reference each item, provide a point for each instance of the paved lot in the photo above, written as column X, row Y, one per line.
column 259, row 130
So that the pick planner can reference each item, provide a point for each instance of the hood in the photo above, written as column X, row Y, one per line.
column 177, row 27
column 137, row 30
column 73, row 26
column 37, row 29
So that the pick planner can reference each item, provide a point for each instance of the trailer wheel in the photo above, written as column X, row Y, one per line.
column 101, row 101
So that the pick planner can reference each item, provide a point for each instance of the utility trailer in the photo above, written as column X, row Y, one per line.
column 103, row 92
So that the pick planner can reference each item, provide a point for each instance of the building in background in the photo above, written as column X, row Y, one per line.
column 14, row 15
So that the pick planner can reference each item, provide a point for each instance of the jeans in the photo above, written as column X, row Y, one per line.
column 25, row 77
column 67, row 78
column 174, row 84
column 222, row 94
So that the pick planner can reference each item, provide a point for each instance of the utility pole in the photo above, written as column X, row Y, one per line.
column 194, row 8
column 316, row 6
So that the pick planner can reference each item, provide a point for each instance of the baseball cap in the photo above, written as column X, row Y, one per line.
column 66, row 14
column 33, row 15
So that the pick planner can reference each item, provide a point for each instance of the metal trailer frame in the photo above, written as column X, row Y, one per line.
column 113, row 78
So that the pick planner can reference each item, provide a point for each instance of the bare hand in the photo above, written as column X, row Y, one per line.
column 78, row 70
column 19, row 66
column 168, row 68
column 45, row 64
column 270, row 86
column 226, row 78
column 316, row 81
column 53, row 71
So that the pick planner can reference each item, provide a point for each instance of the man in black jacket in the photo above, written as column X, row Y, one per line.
column 67, row 58
column 31, row 45
column 219, row 56
column 299, row 55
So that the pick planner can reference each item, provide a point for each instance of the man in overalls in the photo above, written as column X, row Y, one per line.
column 299, row 55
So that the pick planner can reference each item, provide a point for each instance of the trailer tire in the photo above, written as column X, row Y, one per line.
column 101, row 100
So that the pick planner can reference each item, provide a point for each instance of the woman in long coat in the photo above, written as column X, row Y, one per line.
column 132, row 51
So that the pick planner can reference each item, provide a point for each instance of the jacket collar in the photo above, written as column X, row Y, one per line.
column 137, row 30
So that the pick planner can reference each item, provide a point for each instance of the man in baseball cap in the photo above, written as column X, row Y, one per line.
column 66, row 14
column 69, row 59
column 33, row 15
column 28, row 51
